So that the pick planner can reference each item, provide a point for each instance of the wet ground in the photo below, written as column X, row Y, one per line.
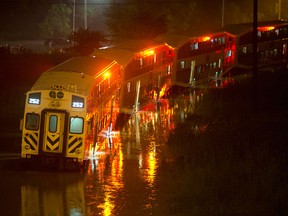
column 121, row 179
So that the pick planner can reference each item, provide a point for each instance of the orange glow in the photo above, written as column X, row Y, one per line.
column 107, row 75
column 266, row 28
column 206, row 38
column 147, row 53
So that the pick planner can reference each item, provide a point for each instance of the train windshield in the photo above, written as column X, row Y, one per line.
column 76, row 125
column 32, row 121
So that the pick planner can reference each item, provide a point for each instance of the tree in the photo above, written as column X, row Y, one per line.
column 135, row 19
column 57, row 22
column 85, row 41
column 183, row 17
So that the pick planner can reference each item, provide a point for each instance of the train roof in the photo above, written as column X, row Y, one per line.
column 123, row 57
column 78, row 71
column 242, row 28
column 177, row 41
column 173, row 40
column 124, row 52
column 83, row 64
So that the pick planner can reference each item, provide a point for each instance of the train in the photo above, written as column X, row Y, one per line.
column 228, row 52
column 70, row 104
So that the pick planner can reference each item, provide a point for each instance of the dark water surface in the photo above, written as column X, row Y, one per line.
column 121, row 179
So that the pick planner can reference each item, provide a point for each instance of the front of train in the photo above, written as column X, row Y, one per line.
column 54, row 119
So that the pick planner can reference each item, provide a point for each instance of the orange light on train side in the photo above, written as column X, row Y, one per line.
column 266, row 28
column 147, row 53
column 106, row 75
column 206, row 38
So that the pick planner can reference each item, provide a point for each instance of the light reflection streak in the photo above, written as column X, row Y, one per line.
column 139, row 144
column 110, row 168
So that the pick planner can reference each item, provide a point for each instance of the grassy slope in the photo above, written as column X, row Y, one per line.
column 239, row 165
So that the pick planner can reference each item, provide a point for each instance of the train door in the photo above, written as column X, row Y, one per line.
column 53, row 132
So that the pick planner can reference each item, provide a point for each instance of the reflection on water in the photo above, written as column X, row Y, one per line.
column 120, row 180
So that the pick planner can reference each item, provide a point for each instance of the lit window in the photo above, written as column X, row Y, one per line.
column 128, row 87
column 182, row 64
column 244, row 50
column 32, row 121
column 76, row 125
column 229, row 53
column 219, row 63
column 277, row 31
column 169, row 69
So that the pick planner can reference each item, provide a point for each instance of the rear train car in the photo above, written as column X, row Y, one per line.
column 67, row 107
column 201, row 58
column 272, row 42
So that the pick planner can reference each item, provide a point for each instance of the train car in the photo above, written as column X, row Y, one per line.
column 146, row 71
column 201, row 58
column 272, row 44
column 67, row 107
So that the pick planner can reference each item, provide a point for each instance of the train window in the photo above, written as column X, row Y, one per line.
column 32, row 121
column 244, row 50
column 34, row 98
column 128, row 87
column 76, row 125
column 199, row 68
column 219, row 63
column 277, row 32
column 169, row 69
column 53, row 123
column 191, row 46
column 182, row 64
column 77, row 102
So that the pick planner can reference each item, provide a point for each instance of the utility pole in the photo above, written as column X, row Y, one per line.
column 255, row 56
column 279, row 10
column 85, row 14
column 223, row 11
column 74, row 14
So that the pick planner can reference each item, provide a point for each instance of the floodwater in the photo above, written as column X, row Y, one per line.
column 121, row 179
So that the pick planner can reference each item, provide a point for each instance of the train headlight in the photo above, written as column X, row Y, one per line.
column 52, row 94
column 60, row 94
